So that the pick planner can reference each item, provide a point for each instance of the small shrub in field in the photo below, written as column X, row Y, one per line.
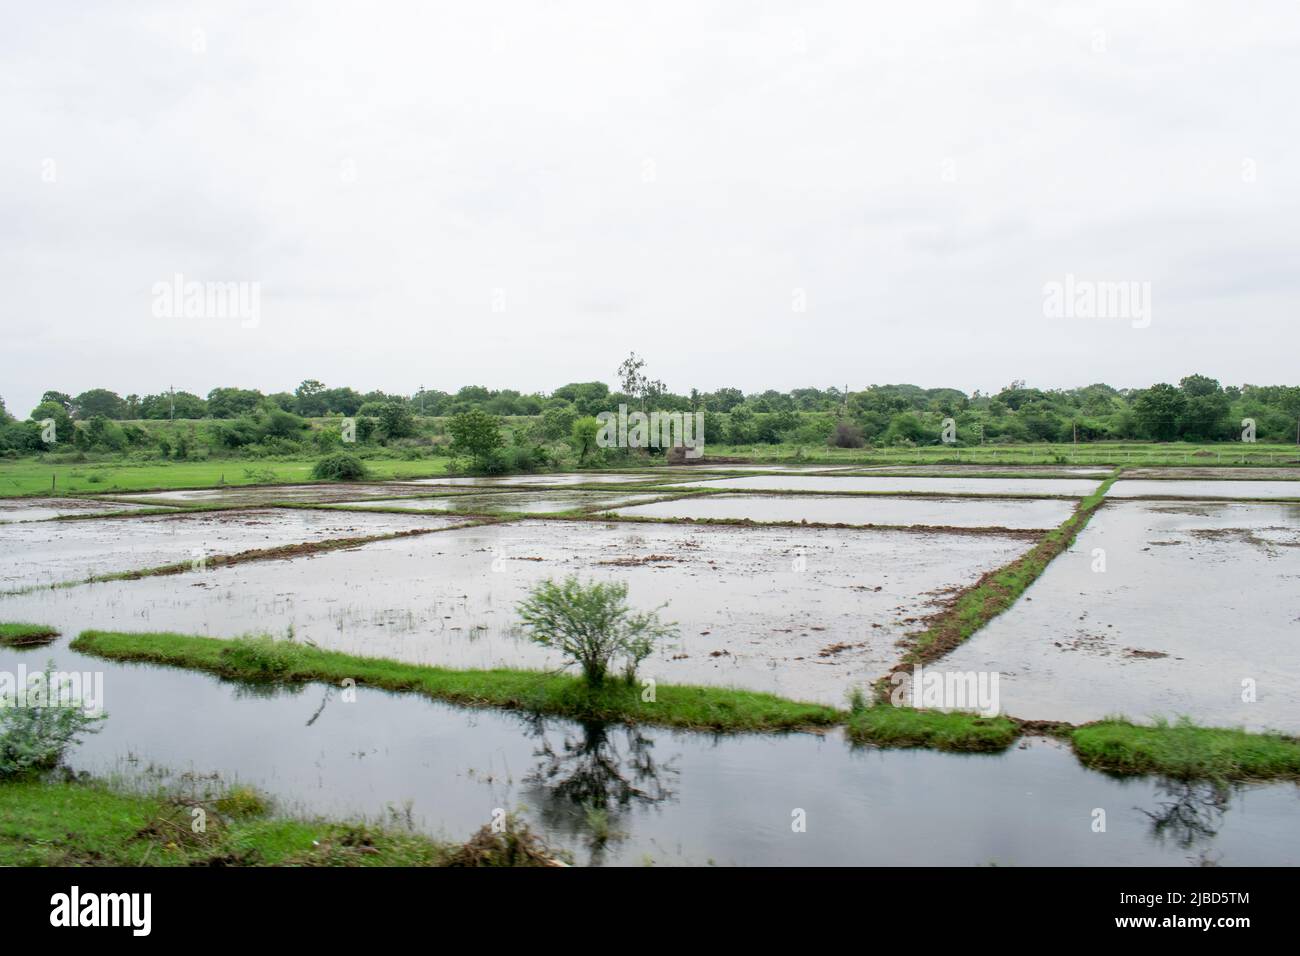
column 513, row 845
column 243, row 801
column 847, row 435
column 35, row 738
column 340, row 467
column 265, row 655
column 592, row 625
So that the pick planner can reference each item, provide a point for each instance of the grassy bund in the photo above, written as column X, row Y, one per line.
column 1116, row 745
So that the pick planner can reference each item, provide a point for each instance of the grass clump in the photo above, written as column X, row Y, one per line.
column 1186, row 751
column 262, row 657
column 243, row 801
column 895, row 727
column 509, row 843
column 17, row 634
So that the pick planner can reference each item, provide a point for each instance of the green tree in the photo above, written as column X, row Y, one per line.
column 233, row 402
column 592, row 626
column 64, row 432
column 309, row 398
column 1159, row 411
column 59, row 398
column 396, row 421
column 98, row 401
column 475, row 434
column 557, row 421
column 582, row 436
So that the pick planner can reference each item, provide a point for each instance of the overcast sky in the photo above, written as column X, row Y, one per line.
column 748, row 194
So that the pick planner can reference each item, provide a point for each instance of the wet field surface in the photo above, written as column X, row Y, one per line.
column 246, row 497
column 806, row 613
column 838, row 509
column 670, row 797
column 920, row 485
column 13, row 510
column 529, row 502
column 1195, row 598
column 53, row 552
column 584, row 478
column 1027, row 471
column 1136, row 488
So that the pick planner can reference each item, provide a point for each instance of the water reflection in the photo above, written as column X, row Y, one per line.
column 587, row 785
column 1191, row 813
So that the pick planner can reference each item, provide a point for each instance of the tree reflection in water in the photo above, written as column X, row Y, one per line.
column 1191, row 815
column 587, row 785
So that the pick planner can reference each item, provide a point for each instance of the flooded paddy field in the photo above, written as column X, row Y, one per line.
column 787, row 468
column 670, row 797
column 1236, row 472
column 525, row 502
column 1198, row 601
column 1025, row 513
column 805, row 613
column 573, row 478
column 957, row 470
column 1072, row 487
column 53, row 552
column 246, row 497
column 13, row 510
column 1137, row 488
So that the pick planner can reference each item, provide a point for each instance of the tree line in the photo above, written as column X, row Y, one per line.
column 1197, row 408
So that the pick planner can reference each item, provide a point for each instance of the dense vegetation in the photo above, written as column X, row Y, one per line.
column 547, row 429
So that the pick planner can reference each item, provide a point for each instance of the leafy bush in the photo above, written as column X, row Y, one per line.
column 340, row 467
column 35, row 738
column 243, row 801
column 847, row 435
column 592, row 625
column 263, row 654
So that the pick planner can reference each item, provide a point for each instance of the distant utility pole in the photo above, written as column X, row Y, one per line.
column 171, row 390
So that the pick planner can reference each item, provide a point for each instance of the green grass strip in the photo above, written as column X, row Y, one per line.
column 89, row 824
column 16, row 634
column 1186, row 751
column 890, row 727
column 699, row 708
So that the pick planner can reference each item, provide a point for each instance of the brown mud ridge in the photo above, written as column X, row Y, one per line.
column 950, row 626
column 281, row 552
column 1246, row 536
column 1029, row 534
column 1225, row 473
column 659, row 560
